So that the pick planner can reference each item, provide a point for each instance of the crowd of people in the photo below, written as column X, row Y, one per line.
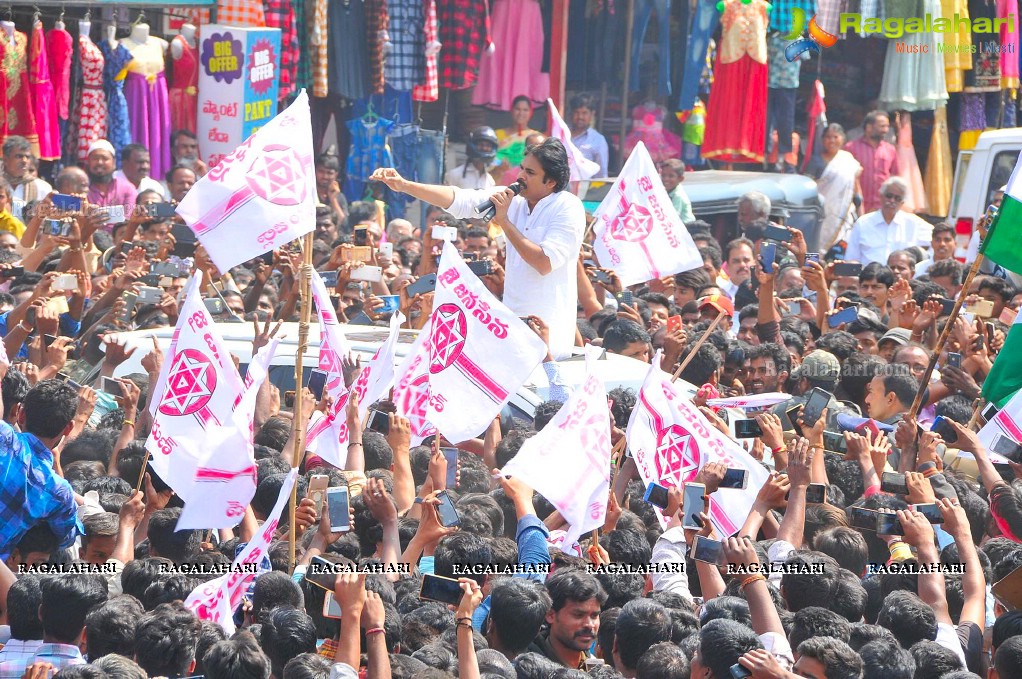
column 804, row 588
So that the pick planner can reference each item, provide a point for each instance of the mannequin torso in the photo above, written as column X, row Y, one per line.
column 147, row 51
column 8, row 27
column 188, row 35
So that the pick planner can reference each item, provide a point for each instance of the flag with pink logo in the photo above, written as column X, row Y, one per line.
column 411, row 387
column 568, row 461
column 216, row 600
column 328, row 434
column 581, row 167
column 480, row 352
column 259, row 197
column 638, row 232
column 670, row 441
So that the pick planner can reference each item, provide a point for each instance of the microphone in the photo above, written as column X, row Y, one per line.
column 487, row 210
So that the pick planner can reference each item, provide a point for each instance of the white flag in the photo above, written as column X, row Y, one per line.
column 671, row 441
column 568, row 462
column 259, row 197
column 1002, row 435
column 194, row 397
column 638, row 232
column 480, row 353
column 217, row 599
column 411, row 387
column 328, row 434
column 749, row 401
column 581, row 167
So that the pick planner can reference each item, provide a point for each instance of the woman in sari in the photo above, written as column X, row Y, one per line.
column 511, row 140
column 838, row 184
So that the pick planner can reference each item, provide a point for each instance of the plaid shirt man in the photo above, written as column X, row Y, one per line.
column 16, row 656
column 31, row 491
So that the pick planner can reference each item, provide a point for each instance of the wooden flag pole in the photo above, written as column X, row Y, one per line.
column 692, row 352
column 141, row 474
column 298, row 432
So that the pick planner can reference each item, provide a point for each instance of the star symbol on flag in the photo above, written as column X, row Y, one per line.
column 675, row 456
column 448, row 337
column 634, row 224
column 276, row 175
column 190, row 384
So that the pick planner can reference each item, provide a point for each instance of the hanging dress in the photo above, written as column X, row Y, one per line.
column 938, row 166
column 118, row 126
column 60, row 49
column 91, row 99
column 43, row 100
column 957, row 56
column 16, row 114
column 184, row 95
column 145, row 88
column 736, row 117
column 429, row 88
column 913, row 78
column 915, row 199
column 515, row 67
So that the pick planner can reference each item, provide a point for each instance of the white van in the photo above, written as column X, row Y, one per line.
column 980, row 172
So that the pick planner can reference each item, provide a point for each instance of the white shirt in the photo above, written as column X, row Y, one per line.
column 42, row 189
column 147, row 184
column 873, row 240
column 593, row 146
column 466, row 176
column 556, row 224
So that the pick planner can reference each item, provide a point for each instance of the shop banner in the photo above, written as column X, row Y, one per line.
column 239, row 73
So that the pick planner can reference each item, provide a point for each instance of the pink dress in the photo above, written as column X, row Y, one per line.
column 515, row 66
column 915, row 200
column 60, row 48
column 91, row 102
column 43, row 100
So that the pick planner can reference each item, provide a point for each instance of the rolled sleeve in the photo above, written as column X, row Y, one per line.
column 671, row 548
column 465, row 201
column 777, row 646
column 563, row 239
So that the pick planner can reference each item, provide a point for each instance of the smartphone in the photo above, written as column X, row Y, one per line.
column 777, row 233
column 816, row 493
column 129, row 306
column 739, row 672
column 147, row 295
column 361, row 235
column 289, row 399
column 372, row 274
column 888, row 524
column 359, row 253
column 451, row 455
column 747, row 429
column 656, row 495
column 846, row 315
column 625, row 297
column 446, row 511
column 603, row 277
column 337, row 506
column 360, row 318
column 387, row 250
column 707, row 550
column 989, row 410
column 56, row 227
column 317, row 381
column 214, row 305
column 869, row 425
column 863, row 519
column 67, row 203
column 813, row 410
column 930, row 511
column 847, row 269
column 391, row 304
column 946, row 306
column 735, row 477
column 320, row 573
column 1006, row 446
column 674, row 323
column 184, row 249
column 331, row 609
column 329, row 278
column 65, row 282
column 1004, row 470
column 954, row 359
column 893, row 482
column 161, row 211
column 379, row 421
column 438, row 588
column 813, row 257
column 151, row 280
column 422, row 286
column 694, row 504
column 768, row 253
column 115, row 214
column 48, row 340
column 445, row 233
column 317, row 490
column 112, row 386
column 983, row 308
column 793, row 414
column 1008, row 316
column 942, row 426
column 834, row 442
column 792, row 308
column 481, row 268
column 13, row 272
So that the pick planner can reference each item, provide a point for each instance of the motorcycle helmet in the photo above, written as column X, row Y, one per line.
column 482, row 144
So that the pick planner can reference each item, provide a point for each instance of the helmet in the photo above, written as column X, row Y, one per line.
column 482, row 144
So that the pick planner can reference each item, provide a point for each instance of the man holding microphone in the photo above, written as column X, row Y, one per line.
column 543, row 224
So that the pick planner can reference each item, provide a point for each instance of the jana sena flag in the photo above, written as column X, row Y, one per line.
column 1002, row 435
column 261, row 196
column 1002, row 242
column 671, row 441
column 638, row 232
column 568, row 462
column 1005, row 377
column 581, row 167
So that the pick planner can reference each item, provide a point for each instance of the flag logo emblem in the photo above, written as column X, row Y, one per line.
column 450, row 329
column 190, row 385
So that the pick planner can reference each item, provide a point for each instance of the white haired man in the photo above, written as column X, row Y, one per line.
column 875, row 235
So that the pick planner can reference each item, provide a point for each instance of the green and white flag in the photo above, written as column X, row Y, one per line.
column 1003, row 243
column 1005, row 376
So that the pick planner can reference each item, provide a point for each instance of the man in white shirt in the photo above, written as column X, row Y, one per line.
column 543, row 226
column 24, row 187
column 136, row 164
column 591, row 143
column 942, row 246
column 472, row 174
column 875, row 235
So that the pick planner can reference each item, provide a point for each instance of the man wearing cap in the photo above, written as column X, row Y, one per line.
column 104, row 188
column 891, row 341
column 819, row 369
column 712, row 306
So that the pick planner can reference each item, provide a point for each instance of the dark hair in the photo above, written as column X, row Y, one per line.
column 117, row 667
column 875, row 271
column 955, row 407
column 775, row 352
column 844, row 545
column 110, row 627
column 583, row 101
column 49, row 407
column 574, row 585
column 850, row 597
column 274, row 433
column 169, row 177
column 856, row 373
column 545, row 412
column 737, row 242
column 715, row 256
column 165, row 640
column 943, row 227
column 518, row 608
column 553, row 158
column 694, row 279
column 907, row 617
column 933, row 661
column 904, row 387
column 23, row 599
column 800, row 588
column 173, row 544
column 308, row 666
column 378, row 453
column 840, row 343
column 66, row 601
column 38, row 538
column 702, row 366
column 461, row 549
column 1006, row 626
column 947, row 267
column 286, row 633
column 14, row 387
column 722, row 643
column 840, row 661
column 872, row 116
column 999, row 286
column 237, row 658
column 177, row 134
column 1008, row 658
column 813, row 621
column 641, row 623
column 621, row 333
column 274, row 589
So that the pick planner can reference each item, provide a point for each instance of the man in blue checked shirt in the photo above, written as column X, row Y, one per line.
column 31, row 491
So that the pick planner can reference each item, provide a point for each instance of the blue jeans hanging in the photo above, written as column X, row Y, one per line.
column 704, row 23
column 663, row 19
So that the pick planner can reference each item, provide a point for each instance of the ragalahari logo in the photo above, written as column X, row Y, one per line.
column 817, row 38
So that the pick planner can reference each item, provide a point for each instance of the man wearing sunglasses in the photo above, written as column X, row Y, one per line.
column 875, row 235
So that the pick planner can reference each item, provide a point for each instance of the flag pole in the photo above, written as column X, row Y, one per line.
column 298, row 432
column 924, row 381
column 141, row 474
column 692, row 353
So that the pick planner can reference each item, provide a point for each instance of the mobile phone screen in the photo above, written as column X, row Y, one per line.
column 317, row 380
column 706, row 550
column 931, row 512
column 656, row 495
column 747, row 429
column 693, row 505
column 816, row 493
column 446, row 511
column 777, row 233
column 320, row 573
column 888, row 524
column 337, row 506
column 818, row 400
column 437, row 588
column 768, row 253
column 892, row 482
column 862, row 518
column 942, row 426
column 451, row 455
column 793, row 414
column 735, row 477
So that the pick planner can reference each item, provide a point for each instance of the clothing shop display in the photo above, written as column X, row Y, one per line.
column 514, row 68
column 939, row 171
column 146, row 91
column 985, row 75
column 91, row 104
column 319, row 59
column 648, row 127
column 908, row 165
column 348, row 45
column 59, row 53
column 240, row 13
column 281, row 14
column 971, row 119
column 368, row 151
column 736, row 117
column 43, row 100
column 378, row 41
column 643, row 13
column 914, row 80
column 781, row 16
column 464, row 34
column 700, row 37
column 429, row 89
column 405, row 66
column 183, row 93
column 1009, row 53
column 957, row 59
column 18, row 117
column 116, row 58
column 782, row 89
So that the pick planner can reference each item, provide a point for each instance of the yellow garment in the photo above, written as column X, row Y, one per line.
column 955, row 62
column 744, row 31
column 967, row 140
column 938, row 166
column 9, row 222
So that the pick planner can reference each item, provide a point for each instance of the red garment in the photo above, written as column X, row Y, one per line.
column 377, row 25
column 878, row 164
column 91, row 107
column 184, row 95
column 464, row 34
column 43, row 101
column 60, row 48
column 16, row 114
column 281, row 14
column 429, row 90
column 736, row 115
